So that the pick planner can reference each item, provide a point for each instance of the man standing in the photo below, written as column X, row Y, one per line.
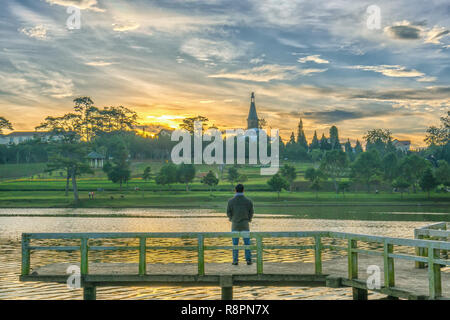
column 240, row 213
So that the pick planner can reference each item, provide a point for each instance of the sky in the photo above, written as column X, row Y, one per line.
column 327, row 62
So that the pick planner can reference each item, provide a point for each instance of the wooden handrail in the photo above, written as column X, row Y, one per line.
column 433, row 249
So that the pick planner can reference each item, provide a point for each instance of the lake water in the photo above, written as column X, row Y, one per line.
column 13, row 222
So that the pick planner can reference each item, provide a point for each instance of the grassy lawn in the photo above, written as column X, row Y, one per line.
column 38, row 189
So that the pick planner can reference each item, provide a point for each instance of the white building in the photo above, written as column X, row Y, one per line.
column 403, row 146
column 22, row 136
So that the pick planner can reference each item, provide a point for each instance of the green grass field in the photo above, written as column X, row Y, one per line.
column 34, row 188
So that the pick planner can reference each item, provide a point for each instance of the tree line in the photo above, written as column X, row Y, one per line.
column 111, row 132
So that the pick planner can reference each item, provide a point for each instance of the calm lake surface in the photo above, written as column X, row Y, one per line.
column 13, row 222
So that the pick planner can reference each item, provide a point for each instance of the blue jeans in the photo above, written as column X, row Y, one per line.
column 248, row 253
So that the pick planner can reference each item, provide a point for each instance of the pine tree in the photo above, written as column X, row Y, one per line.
column 324, row 144
column 358, row 147
column 349, row 150
column 292, row 139
column 348, row 147
column 301, row 138
column 315, row 142
column 334, row 138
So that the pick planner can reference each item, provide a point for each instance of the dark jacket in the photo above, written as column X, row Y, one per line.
column 240, row 212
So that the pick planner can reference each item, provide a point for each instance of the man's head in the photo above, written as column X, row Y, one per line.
column 239, row 188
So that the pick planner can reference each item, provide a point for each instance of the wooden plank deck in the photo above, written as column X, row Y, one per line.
column 409, row 281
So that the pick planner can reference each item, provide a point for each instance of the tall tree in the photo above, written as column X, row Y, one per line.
column 146, row 176
column 314, row 176
column 233, row 175
column 324, row 144
column 334, row 164
column 412, row 168
column 186, row 174
column 210, row 180
column 167, row 175
column 278, row 183
column 70, row 157
column 288, row 172
column 400, row 184
column 443, row 173
column 5, row 124
column 119, row 170
column 188, row 123
column 292, row 139
column 358, row 148
column 439, row 135
column 349, row 150
column 315, row 142
column 428, row 181
column 389, row 165
column 380, row 140
column 366, row 167
column 334, row 139
column 301, row 138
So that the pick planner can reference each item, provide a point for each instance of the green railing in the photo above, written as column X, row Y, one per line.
column 434, row 231
column 433, row 248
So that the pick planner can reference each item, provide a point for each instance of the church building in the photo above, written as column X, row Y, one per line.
column 252, row 120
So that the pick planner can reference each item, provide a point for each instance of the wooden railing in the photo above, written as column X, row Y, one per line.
column 434, row 231
column 433, row 250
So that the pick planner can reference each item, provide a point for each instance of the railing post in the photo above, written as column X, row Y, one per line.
column 25, row 254
column 201, row 255
column 352, row 260
column 358, row 293
column 445, row 252
column 389, row 273
column 434, row 273
column 84, row 256
column 259, row 253
column 89, row 292
column 142, row 256
column 419, row 252
column 318, row 255
column 226, row 285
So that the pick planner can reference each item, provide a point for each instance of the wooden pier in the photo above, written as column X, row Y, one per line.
column 422, row 275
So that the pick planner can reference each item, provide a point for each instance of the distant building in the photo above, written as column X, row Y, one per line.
column 96, row 159
column 252, row 120
column 402, row 145
column 22, row 136
column 165, row 133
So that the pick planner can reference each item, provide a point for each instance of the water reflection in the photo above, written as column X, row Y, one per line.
column 11, row 228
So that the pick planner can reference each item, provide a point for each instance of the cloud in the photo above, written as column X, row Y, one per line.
column 256, row 60
column 434, row 35
column 427, row 79
column 267, row 73
column 314, row 58
column 205, row 50
column 38, row 32
column 30, row 82
column 82, row 4
column 391, row 70
column 404, row 30
column 99, row 63
column 337, row 115
column 125, row 26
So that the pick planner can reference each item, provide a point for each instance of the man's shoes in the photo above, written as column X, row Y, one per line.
column 249, row 262
column 235, row 263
